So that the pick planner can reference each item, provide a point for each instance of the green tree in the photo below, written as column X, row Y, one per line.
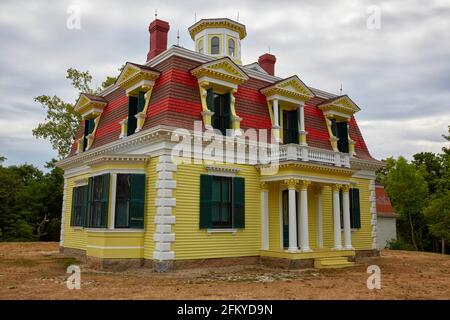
column 407, row 190
column 62, row 122
column 30, row 203
column 438, row 214
column 446, row 150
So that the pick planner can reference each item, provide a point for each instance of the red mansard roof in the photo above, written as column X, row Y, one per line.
column 175, row 101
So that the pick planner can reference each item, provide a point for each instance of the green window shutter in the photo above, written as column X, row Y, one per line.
column 137, row 197
column 105, row 180
column 84, row 204
column 141, row 101
column 132, row 111
column 238, row 202
column 74, row 203
column 205, row 201
column 341, row 207
column 226, row 118
column 355, row 210
column 210, row 99
column 90, row 191
column 91, row 125
column 342, row 134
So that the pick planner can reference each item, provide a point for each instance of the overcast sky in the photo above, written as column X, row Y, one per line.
column 398, row 74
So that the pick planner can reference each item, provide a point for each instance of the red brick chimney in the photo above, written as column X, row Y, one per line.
column 158, row 37
column 267, row 62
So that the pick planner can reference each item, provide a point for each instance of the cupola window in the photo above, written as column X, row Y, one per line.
column 231, row 47
column 215, row 45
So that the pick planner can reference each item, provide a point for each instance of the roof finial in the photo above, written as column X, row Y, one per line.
column 178, row 37
column 156, row 13
column 269, row 49
column 195, row 17
column 340, row 90
column 238, row 16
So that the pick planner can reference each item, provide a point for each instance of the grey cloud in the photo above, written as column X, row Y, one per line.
column 400, row 73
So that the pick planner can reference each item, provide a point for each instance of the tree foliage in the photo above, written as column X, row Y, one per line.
column 27, row 196
column 408, row 191
column 61, row 122
column 419, row 192
column 438, row 214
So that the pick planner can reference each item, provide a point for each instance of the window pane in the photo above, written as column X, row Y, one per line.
column 123, row 186
column 123, row 193
column 200, row 46
column 215, row 213
column 122, row 213
column 231, row 47
column 215, row 45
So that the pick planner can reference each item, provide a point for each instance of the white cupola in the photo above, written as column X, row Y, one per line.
column 218, row 38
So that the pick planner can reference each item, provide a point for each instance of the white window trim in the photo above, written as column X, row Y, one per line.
column 112, row 198
column 222, row 230
column 221, row 171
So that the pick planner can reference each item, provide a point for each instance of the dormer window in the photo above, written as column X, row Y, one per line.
column 231, row 46
column 219, row 104
column 286, row 100
column 340, row 131
column 218, row 81
column 338, row 112
column 90, row 107
column 215, row 45
column 290, row 126
column 138, row 82
column 135, row 106
column 89, row 126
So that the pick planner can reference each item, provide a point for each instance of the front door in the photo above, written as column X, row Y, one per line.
column 285, row 216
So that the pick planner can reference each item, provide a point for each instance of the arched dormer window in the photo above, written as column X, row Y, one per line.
column 215, row 46
column 200, row 46
column 231, row 45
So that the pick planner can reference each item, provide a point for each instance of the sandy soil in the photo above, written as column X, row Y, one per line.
column 37, row 271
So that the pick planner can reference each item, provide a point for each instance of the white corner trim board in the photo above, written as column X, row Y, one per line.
column 165, row 202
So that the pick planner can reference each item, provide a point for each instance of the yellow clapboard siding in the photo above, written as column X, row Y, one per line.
column 193, row 243
column 150, row 210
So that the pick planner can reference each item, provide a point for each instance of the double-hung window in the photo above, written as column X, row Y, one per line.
column 340, row 131
column 220, row 105
column 89, row 126
column 222, row 202
column 135, row 105
column 130, row 193
column 79, row 206
column 290, row 126
column 98, row 201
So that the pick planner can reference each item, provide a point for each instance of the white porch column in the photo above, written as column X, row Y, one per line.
column 304, row 235
column 292, row 216
column 319, row 217
column 276, row 114
column 264, row 216
column 347, row 227
column 301, row 121
column 336, row 217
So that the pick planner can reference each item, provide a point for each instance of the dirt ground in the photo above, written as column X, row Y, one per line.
column 37, row 271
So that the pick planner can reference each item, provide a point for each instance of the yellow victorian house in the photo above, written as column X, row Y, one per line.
column 194, row 156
